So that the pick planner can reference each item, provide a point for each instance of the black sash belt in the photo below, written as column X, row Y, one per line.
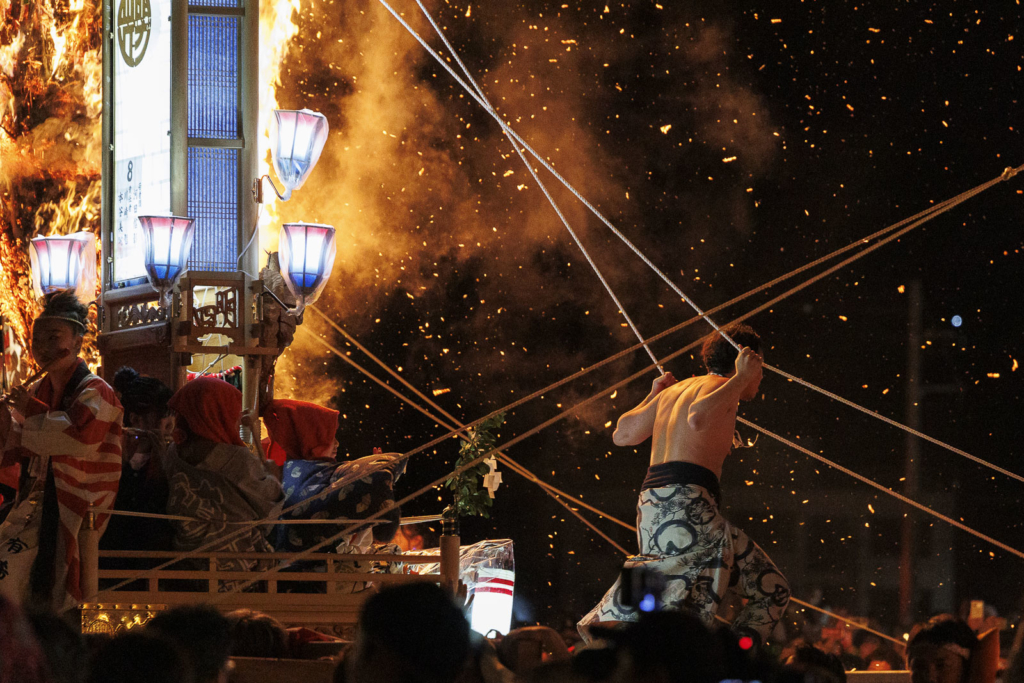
column 683, row 474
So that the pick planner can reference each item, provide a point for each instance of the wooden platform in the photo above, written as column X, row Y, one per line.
column 341, row 596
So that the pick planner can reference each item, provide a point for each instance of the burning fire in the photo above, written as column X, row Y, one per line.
column 50, row 132
column 277, row 28
column 50, row 71
column 423, row 192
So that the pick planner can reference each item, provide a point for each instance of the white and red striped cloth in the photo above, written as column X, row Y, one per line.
column 492, row 601
column 79, row 434
column 502, row 584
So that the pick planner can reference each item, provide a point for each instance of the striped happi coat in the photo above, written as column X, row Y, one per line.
column 79, row 439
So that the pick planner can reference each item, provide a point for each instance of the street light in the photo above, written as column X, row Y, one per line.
column 168, row 244
column 306, row 254
column 64, row 262
column 297, row 138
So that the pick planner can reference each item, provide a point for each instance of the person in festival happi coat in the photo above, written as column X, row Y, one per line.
column 213, row 478
column 65, row 432
column 303, row 435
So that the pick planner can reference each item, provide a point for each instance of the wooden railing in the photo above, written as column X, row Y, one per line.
column 153, row 590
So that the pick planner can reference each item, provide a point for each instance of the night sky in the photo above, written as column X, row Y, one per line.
column 732, row 145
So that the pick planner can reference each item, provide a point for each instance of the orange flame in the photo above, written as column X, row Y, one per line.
column 50, row 103
column 277, row 28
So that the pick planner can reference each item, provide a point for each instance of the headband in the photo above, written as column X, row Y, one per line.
column 65, row 318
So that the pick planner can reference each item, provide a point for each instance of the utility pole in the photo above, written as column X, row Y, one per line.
column 913, row 417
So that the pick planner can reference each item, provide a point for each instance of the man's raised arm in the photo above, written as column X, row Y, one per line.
column 724, row 398
column 637, row 425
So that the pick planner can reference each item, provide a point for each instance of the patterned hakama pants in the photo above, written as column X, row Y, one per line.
column 700, row 557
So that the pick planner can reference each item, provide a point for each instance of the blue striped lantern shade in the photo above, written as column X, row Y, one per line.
column 306, row 252
column 296, row 140
column 64, row 262
column 168, row 244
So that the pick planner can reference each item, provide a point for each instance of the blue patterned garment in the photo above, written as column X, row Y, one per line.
column 361, row 497
column 701, row 556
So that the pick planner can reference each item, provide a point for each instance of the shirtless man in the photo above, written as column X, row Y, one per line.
column 681, row 533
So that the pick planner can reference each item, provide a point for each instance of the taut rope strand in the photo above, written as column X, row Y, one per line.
column 898, row 496
column 920, row 219
column 535, row 430
column 482, row 98
column 894, row 423
column 551, row 490
column 474, row 90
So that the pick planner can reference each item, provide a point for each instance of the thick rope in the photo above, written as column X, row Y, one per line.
column 920, row 219
column 914, row 222
column 584, row 371
column 553, row 491
column 848, row 621
column 525, row 473
column 515, row 136
column 1007, row 174
column 898, row 496
column 482, row 98
column 462, row 468
column 575, row 409
column 474, row 90
column 898, row 425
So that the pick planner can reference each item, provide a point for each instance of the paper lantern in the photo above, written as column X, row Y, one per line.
column 168, row 244
column 492, row 601
column 306, row 252
column 64, row 262
column 297, row 138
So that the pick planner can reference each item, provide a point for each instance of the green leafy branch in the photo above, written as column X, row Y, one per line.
column 471, row 499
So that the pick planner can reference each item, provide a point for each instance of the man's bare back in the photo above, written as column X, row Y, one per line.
column 693, row 420
column 681, row 532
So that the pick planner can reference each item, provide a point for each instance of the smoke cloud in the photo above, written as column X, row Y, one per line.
column 449, row 255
